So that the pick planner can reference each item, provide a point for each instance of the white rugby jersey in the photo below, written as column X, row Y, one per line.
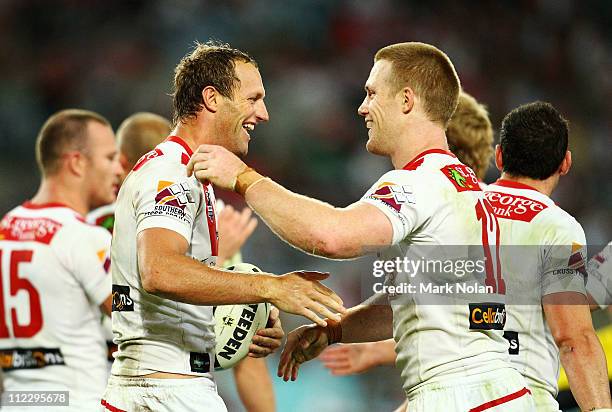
column 104, row 216
column 551, row 260
column 599, row 284
column 434, row 202
column 153, row 333
column 53, row 273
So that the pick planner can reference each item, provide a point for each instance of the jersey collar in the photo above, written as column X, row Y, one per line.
column 37, row 206
column 181, row 142
column 29, row 205
column 513, row 184
column 414, row 163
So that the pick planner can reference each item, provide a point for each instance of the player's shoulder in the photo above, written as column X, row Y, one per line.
column 77, row 228
column 48, row 223
column 560, row 227
column 171, row 153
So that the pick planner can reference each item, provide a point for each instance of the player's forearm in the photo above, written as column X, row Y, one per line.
column 254, row 385
column 585, row 364
column 367, row 323
column 308, row 224
column 183, row 279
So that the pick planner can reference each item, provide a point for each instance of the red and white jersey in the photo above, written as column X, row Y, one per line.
column 53, row 274
column 153, row 333
column 436, row 202
column 599, row 284
column 548, row 256
column 104, row 216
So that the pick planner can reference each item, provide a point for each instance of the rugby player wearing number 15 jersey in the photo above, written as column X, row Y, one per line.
column 431, row 199
column 54, row 266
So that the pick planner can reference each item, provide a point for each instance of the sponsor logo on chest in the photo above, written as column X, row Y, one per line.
column 487, row 316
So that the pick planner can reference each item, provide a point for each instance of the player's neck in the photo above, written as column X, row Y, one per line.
column 416, row 140
column 54, row 190
column 546, row 186
column 188, row 133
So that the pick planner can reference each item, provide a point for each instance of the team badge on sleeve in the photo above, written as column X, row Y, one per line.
column 577, row 259
column 173, row 194
column 462, row 177
column 394, row 195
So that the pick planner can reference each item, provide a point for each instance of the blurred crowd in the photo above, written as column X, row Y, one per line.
column 117, row 57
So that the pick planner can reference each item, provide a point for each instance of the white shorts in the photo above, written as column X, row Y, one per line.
column 503, row 390
column 544, row 401
column 127, row 394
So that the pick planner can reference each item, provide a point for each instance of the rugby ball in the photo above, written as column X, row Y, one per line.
column 235, row 326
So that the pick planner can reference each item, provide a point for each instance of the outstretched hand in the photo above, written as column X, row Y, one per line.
column 303, row 344
column 302, row 293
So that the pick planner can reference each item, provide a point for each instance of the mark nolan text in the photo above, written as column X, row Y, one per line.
column 431, row 288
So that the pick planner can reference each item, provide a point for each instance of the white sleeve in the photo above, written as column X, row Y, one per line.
column 599, row 283
column 88, row 260
column 394, row 196
column 166, row 198
column 564, row 266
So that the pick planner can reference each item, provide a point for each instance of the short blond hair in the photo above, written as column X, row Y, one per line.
column 470, row 134
column 140, row 133
column 429, row 73
column 63, row 132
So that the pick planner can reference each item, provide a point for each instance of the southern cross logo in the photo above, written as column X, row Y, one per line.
column 394, row 195
column 173, row 194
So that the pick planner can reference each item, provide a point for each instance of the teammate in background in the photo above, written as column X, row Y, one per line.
column 136, row 136
column 54, row 266
column 599, row 284
column 165, row 248
column 430, row 199
column 532, row 156
column 470, row 138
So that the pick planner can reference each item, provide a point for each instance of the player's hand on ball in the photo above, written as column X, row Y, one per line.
column 267, row 340
column 349, row 359
column 215, row 164
column 303, row 344
column 301, row 293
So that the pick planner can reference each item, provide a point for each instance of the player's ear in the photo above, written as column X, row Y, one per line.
column 566, row 164
column 126, row 165
column 408, row 100
column 499, row 163
column 76, row 163
column 211, row 99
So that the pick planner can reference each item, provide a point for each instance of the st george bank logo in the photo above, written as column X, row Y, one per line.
column 173, row 194
column 514, row 207
column 394, row 195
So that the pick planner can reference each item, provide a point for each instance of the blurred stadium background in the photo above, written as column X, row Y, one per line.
column 117, row 57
